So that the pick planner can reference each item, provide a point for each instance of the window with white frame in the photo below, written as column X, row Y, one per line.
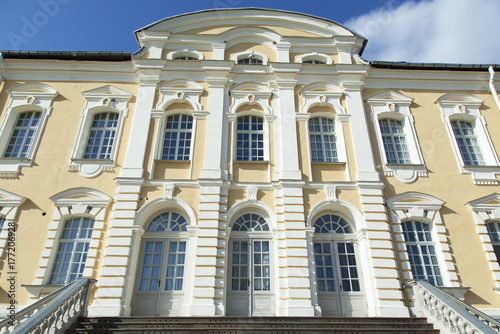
column 421, row 252
column 396, row 136
column 494, row 234
column 164, row 259
column 177, row 137
column 100, row 129
column 101, row 136
column 185, row 55
column 72, row 250
column 250, row 58
column 315, row 58
column 21, row 138
column 322, row 140
column 22, row 125
column 250, row 138
column 467, row 142
column 394, row 139
column 469, row 137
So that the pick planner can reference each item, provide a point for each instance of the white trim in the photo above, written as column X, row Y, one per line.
column 466, row 107
column 484, row 210
column 315, row 56
column 425, row 208
column 72, row 203
column 9, row 205
column 99, row 100
column 185, row 52
column 248, row 54
column 24, row 97
column 393, row 105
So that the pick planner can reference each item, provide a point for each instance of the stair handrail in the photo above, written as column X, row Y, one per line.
column 448, row 313
column 54, row 313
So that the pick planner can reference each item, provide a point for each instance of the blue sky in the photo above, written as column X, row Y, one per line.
column 452, row 31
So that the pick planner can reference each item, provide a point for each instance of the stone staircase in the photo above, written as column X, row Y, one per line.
column 268, row 325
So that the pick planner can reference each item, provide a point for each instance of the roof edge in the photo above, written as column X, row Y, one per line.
column 403, row 65
column 69, row 55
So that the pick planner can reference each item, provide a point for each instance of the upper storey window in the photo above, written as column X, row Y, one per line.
column 322, row 140
column 467, row 143
column 250, row 138
column 315, row 58
column 22, row 126
column 250, row 58
column 177, row 139
column 469, row 137
column 396, row 136
column 102, row 136
column 22, row 135
column 100, row 129
column 396, row 150
column 185, row 55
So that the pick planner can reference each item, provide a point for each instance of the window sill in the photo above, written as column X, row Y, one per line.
column 482, row 174
column 328, row 163
column 406, row 173
column 90, row 168
column 10, row 167
column 44, row 289
column 251, row 161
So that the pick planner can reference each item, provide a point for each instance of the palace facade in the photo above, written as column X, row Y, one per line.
column 248, row 162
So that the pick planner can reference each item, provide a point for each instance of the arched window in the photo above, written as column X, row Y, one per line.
column 394, row 139
column 164, row 259
column 22, row 134
column 335, row 260
column 313, row 61
column 168, row 222
column 250, row 138
column 322, row 140
column 102, row 134
column 250, row 58
column 421, row 252
column 467, row 143
column 250, row 222
column 72, row 250
column 185, row 58
column 177, row 139
column 250, row 61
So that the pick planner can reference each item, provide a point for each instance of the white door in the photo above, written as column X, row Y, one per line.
column 160, row 278
column 337, row 279
column 250, row 283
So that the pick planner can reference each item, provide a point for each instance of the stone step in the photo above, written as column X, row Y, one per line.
column 268, row 325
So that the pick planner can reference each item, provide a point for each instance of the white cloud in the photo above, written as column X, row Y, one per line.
column 446, row 31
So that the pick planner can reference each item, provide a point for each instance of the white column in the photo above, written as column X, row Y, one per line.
column 285, row 126
column 217, row 133
column 363, row 150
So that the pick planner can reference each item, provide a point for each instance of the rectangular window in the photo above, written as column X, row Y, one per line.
column 72, row 251
column 393, row 137
column 467, row 143
column 22, row 135
column 421, row 252
column 101, row 136
column 177, row 139
column 322, row 140
column 250, row 138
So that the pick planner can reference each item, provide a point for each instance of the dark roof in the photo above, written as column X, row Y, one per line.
column 69, row 55
column 402, row 65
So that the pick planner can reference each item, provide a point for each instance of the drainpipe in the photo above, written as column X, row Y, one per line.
column 1, row 65
column 492, row 86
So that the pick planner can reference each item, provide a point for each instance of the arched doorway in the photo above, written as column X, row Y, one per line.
column 250, row 278
column 159, row 288
column 338, row 281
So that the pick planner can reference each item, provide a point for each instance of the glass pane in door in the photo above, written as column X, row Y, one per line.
column 261, row 266
column 347, row 263
column 325, row 277
column 239, row 266
column 150, row 271
column 175, row 265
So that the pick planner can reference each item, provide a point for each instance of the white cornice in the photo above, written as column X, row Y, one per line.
column 60, row 70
